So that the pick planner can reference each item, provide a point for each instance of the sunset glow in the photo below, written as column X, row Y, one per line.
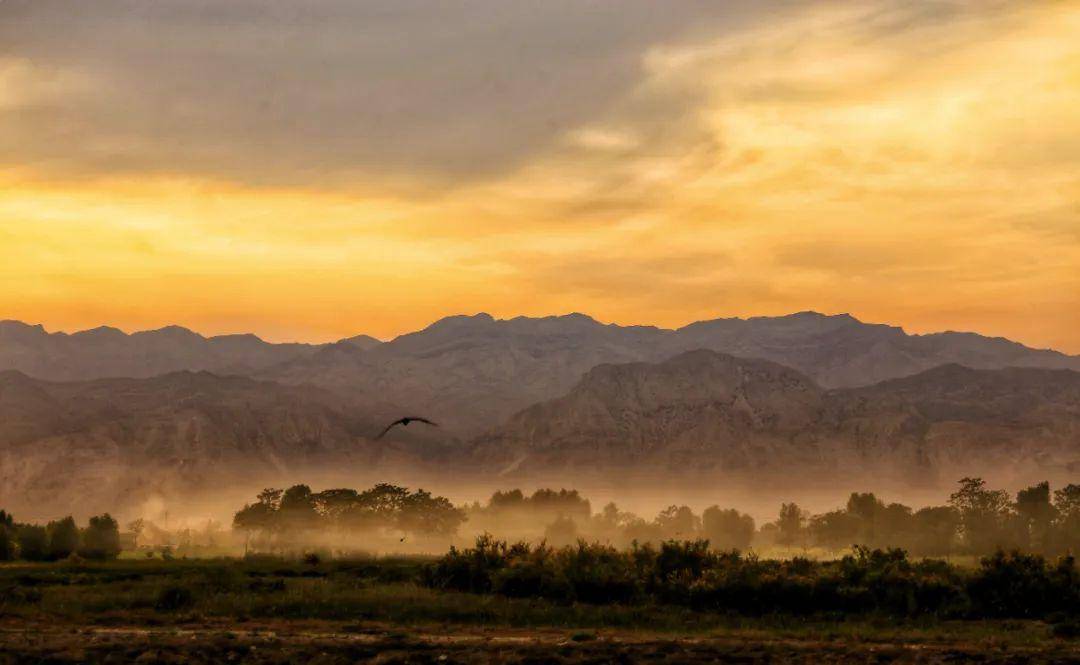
column 914, row 169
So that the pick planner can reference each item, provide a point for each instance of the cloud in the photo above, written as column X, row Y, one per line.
column 333, row 92
column 371, row 166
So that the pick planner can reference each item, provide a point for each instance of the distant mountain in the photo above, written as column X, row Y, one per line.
column 474, row 371
column 704, row 412
column 470, row 372
column 108, row 352
column 110, row 442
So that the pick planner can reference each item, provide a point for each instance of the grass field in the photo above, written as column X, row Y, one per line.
column 270, row 610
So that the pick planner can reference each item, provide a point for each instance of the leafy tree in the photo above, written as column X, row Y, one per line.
column 7, row 543
column 63, row 538
column 984, row 515
column 727, row 529
column 1036, row 515
column 836, row 529
column 6, row 519
column 136, row 527
column 789, row 527
column 33, row 542
column 424, row 514
column 934, row 530
column 1067, row 522
column 563, row 531
column 101, row 538
column 297, row 510
column 678, row 522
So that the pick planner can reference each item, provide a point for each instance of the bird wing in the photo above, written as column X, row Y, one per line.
column 389, row 427
column 425, row 420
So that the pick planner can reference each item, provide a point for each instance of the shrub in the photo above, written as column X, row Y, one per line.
column 63, row 538
column 33, row 542
column 174, row 597
column 101, row 539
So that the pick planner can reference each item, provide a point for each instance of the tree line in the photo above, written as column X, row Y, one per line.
column 280, row 518
column 59, row 539
column 976, row 520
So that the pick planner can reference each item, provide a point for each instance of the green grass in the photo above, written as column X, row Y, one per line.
column 128, row 592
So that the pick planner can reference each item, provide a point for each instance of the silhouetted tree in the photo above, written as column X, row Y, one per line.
column 563, row 531
column 789, row 527
column 101, row 538
column 984, row 515
column 7, row 543
column 836, row 529
column 33, row 542
column 63, row 538
column 1036, row 516
column 423, row 514
column 1067, row 522
column 678, row 522
column 934, row 530
column 727, row 529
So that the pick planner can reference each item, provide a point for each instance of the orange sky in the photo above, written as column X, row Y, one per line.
column 917, row 170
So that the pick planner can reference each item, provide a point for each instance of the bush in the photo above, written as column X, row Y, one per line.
column 1020, row 585
column 883, row 582
column 101, row 539
column 33, row 542
column 63, row 538
column 174, row 597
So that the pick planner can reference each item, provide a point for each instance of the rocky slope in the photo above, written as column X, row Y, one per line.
column 704, row 412
column 113, row 441
column 473, row 372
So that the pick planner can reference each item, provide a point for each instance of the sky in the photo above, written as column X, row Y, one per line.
column 313, row 170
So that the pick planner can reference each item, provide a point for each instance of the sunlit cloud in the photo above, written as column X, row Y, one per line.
column 911, row 164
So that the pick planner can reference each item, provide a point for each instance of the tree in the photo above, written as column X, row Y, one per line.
column 101, row 538
column 7, row 536
column 934, row 530
column 837, row 529
column 7, row 543
column 678, row 522
column 563, row 531
column 63, row 538
column 297, row 511
column 727, row 529
column 983, row 515
column 423, row 514
column 1067, row 523
column 789, row 527
column 1036, row 515
column 136, row 527
column 33, row 542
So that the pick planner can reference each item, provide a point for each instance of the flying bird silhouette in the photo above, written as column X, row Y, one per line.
column 404, row 422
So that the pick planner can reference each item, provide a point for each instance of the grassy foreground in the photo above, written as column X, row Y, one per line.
column 270, row 610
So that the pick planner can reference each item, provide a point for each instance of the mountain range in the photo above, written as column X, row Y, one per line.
column 707, row 413
column 109, row 414
column 475, row 371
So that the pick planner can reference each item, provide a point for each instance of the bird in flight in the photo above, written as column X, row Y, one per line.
column 404, row 422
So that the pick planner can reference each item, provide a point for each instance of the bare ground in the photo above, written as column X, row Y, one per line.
column 326, row 642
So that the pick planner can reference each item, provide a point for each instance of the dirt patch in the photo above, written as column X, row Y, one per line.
column 315, row 643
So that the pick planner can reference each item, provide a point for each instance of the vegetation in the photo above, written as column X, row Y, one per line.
column 688, row 573
column 58, row 540
column 977, row 521
column 281, row 520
